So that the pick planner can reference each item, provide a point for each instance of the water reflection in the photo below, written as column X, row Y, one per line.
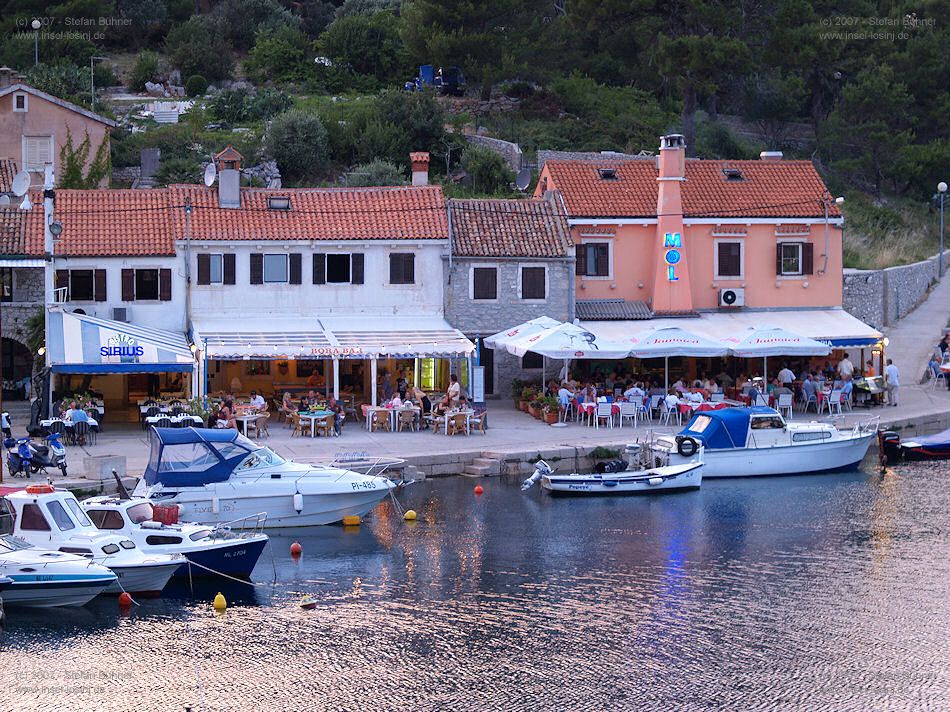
column 805, row 592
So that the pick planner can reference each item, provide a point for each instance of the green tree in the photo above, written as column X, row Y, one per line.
column 282, row 54
column 73, row 159
column 368, row 45
column 375, row 173
column 147, row 20
column 241, row 20
column 62, row 79
column 368, row 7
column 316, row 16
column 297, row 140
column 200, row 46
column 145, row 69
column 488, row 171
column 178, row 170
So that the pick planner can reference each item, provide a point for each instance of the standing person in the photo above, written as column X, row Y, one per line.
column 845, row 367
column 893, row 378
column 869, row 371
column 387, row 387
column 454, row 392
column 943, row 346
column 785, row 376
column 402, row 385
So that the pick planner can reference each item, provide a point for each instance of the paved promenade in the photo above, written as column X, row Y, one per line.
column 914, row 337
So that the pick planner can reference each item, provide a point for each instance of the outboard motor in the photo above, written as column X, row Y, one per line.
column 541, row 468
column 889, row 446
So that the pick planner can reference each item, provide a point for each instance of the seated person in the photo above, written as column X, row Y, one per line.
column 311, row 396
column 226, row 415
column 847, row 388
column 396, row 401
column 564, row 395
column 257, row 401
column 679, row 386
column 672, row 400
column 710, row 386
column 463, row 404
column 304, row 405
column 634, row 392
column 422, row 399
column 335, row 407
column 695, row 397
column 755, row 396
column 75, row 414
column 287, row 404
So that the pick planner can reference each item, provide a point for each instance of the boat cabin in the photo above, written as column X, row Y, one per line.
column 755, row 427
column 131, row 516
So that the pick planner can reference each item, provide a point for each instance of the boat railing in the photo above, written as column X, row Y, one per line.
column 251, row 524
column 365, row 465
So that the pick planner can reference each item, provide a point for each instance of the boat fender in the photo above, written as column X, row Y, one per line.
column 298, row 503
column 686, row 446
column 654, row 481
column 215, row 506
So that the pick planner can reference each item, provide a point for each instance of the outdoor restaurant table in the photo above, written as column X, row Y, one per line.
column 702, row 407
column 176, row 419
column 245, row 416
column 444, row 419
column 93, row 423
column 588, row 409
column 368, row 411
column 313, row 417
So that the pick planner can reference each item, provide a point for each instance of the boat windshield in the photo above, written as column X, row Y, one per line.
column 139, row 513
column 12, row 543
column 264, row 457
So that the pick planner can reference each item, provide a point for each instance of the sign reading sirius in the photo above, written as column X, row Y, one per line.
column 672, row 243
column 122, row 345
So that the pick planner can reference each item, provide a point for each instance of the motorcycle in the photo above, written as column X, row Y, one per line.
column 24, row 457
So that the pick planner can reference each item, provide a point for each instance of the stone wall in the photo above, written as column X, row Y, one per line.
column 881, row 297
column 484, row 318
column 511, row 152
column 27, row 299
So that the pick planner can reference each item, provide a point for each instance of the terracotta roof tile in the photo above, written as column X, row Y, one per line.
column 385, row 213
column 7, row 171
column 508, row 228
column 767, row 189
column 12, row 231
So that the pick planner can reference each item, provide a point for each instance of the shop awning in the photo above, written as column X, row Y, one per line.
column 834, row 327
column 331, row 337
column 79, row 343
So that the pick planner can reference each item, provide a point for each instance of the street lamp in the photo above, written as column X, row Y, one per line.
column 941, row 191
column 92, row 79
column 36, row 25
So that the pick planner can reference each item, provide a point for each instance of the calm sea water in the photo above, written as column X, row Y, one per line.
column 807, row 593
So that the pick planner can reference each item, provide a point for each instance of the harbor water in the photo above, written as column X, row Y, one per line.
column 802, row 593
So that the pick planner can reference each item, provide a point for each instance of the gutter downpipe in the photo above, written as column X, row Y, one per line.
column 189, row 328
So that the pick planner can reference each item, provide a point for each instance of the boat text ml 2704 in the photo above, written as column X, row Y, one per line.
column 218, row 476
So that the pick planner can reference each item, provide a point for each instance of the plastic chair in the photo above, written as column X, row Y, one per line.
column 833, row 403
column 809, row 401
column 785, row 405
column 629, row 411
column 605, row 411
column 655, row 402
column 668, row 413
column 717, row 397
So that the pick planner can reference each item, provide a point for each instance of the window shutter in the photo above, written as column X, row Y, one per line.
column 296, row 268
column 128, row 285
column 165, row 285
column 532, row 282
column 603, row 266
column 229, row 268
column 356, row 268
column 62, row 279
column 778, row 258
column 808, row 258
column 204, row 269
column 257, row 268
column 319, row 268
column 581, row 260
column 99, row 285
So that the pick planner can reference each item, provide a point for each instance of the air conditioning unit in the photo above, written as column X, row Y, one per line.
column 732, row 297
column 120, row 314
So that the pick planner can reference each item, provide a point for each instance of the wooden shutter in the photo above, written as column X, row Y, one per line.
column 319, row 268
column 730, row 259
column 778, row 258
column 257, row 268
column 99, row 285
column 603, row 260
column 229, row 268
column 165, row 285
column 62, row 279
column 402, row 268
column 532, row 282
column 808, row 258
column 204, row 269
column 581, row 260
column 296, row 268
column 356, row 268
column 485, row 283
column 128, row 285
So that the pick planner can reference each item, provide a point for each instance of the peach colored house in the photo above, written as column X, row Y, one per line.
column 668, row 236
column 33, row 127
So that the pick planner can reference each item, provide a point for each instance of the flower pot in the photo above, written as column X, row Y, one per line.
column 550, row 418
column 523, row 405
column 535, row 412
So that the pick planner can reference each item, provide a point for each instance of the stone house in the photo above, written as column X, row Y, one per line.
column 511, row 261
column 21, row 292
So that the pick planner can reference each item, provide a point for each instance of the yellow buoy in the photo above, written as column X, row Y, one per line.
column 410, row 515
column 351, row 520
column 220, row 603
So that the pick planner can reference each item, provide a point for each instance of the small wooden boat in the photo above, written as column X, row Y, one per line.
column 308, row 602
column 926, row 447
column 669, row 478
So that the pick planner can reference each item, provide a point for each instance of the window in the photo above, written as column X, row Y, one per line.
column 216, row 269
column 6, row 284
column 33, row 519
column 484, row 283
column 813, row 435
column 110, row 549
column 532, row 360
column 146, row 284
column 533, row 283
column 593, row 259
column 59, row 516
column 728, row 259
column 20, row 102
column 195, row 457
column 78, row 513
column 139, row 513
column 82, row 285
column 106, row 519
column 338, row 268
column 159, row 540
column 276, row 269
column 37, row 152
column 402, row 268
column 794, row 258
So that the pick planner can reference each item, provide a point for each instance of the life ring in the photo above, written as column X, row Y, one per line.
column 39, row 489
column 686, row 446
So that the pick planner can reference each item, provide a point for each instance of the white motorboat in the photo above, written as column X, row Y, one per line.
column 51, row 518
column 217, row 476
column 671, row 478
column 212, row 550
column 745, row 442
column 41, row 579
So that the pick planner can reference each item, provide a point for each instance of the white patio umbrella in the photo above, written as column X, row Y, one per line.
column 567, row 341
column 501, row 339
column 674, row 341
column 768, row 341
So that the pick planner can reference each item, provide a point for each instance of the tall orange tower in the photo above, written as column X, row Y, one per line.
column 671, row 288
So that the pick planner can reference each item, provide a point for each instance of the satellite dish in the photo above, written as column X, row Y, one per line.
column 26, row 204
column 4, row 200
column 523, row 179
column 21, row 183
column 210, row 174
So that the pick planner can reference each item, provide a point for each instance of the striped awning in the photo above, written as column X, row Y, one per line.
column 79, row 343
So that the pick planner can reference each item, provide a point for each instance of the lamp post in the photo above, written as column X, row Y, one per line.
column 942, row 192
column 36, row 25
column 92, row 80
column 826, row 203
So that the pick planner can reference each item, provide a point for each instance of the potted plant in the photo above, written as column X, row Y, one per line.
column 552, row 409
column 196, row 407
column 527, row 395
column 534, row 407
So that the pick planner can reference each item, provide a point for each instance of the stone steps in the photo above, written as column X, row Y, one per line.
column 483, row 467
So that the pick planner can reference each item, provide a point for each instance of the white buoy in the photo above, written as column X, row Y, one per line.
column 298, row 503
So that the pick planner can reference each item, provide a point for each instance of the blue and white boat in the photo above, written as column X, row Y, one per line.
column 746, row 442
column 219, row 476
column 212, row 550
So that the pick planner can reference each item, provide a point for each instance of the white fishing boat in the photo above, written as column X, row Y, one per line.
column 51, row 518
column 746, row 442
column 42, row 579
column 671, row 478
column 217, row 476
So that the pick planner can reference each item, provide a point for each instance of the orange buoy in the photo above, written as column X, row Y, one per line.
column 39, row 489
column 296, row 549
column 479, row 490
column 125, row 600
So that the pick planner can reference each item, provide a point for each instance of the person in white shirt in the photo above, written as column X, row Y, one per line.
column 711, row 386
column 695, row 397
column 785, row 376
column 454, row 392
column 845, row 367
column 893, row 378
column 257, row 401
column 396, row 402
column 564, row 395
column 671, row 400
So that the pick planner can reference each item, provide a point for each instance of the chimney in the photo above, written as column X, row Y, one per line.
column 671, row 288
column 420, row 167
column 228, row 163
column 9, row 77
column 771, row 156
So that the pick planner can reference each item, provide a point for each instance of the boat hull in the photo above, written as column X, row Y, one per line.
column 660, row 480
column 236, row 558
column 143, row 579
column 39, row 591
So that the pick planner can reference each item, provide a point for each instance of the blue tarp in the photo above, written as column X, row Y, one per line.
column 188, row 457
column 724, row 428
column 934, row 443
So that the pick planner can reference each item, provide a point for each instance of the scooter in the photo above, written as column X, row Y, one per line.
column 53, row 454
column 24, row 457
column 19, row 457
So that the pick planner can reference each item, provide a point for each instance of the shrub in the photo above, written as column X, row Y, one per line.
column 268, row 103
column 280, row 54
column 297, row 140
column 200, row 46
column 376, row 173
column 196, row 85
column 145, row 69
column 178, row 170
column 62, row 79
column 369, row 45
column 243, row 19
column 488, row 171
